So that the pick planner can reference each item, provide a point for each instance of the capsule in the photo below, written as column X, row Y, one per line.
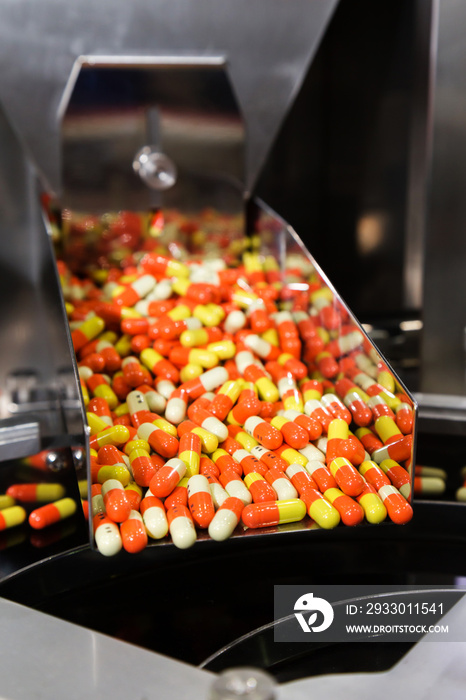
column 190, row 452
column 154, row 517
column 11, row 517
column 398, row 508
column 158, row 365
column 117, row 505
column 99, row 386
column 181, row 527
column 224, row 461
column 106, row 534
column 181, row 356
column 234, row 486
column 263, row 432
column 209, row 422
column 260, row 489
column 281, row 484
column 300, row 478
column 36, row 493
column 226, row 519
column 351, row 513
column 269, row 458
column 225, row 398
column 200, row 500
column 312, row 426
column 52, row 513
column 369, row 440
column 372, row 505
column 258, row 515
column 167, row 477
column 293, row 434
column 6, row 501
column 316, row 410
column 398, row 476
column 429, row 486
column 133, row 533
column 320, row 509
column 86, row 331
column 249, row 463
column 179, row 495
column 142, row 466
column 350, row 481
column 209, row 441
column 336, row 407
column 292, row 456
column 113, row 435
column 161, row 442
column 248, row 404
column 373, row 474
column 321, row 475
column 404, row 417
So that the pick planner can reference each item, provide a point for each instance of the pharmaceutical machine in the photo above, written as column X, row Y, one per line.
column 325, row 132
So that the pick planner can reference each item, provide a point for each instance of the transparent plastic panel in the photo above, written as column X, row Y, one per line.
column 229, row 390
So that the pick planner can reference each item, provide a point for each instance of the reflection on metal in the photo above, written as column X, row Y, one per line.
column 442, row 414
column 154, row 168
column 38, row 386
column 132, row 126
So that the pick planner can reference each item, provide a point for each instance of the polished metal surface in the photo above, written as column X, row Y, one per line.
column 444, row 309
column 139, row 133
column 39, row 389
column 268, row 48
column 44, row 658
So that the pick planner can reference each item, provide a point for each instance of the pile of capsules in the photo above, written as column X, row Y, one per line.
column 221, row 397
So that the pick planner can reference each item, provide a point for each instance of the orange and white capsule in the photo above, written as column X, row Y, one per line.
column 404, row 417
column 281, row 484
column 167, row 477
column 181, row 527
column 249, row 463
column 351, row 513
column 202, row 417
column 398, row 508
column 154, row 517
column 226, row 519
column 349, row 480
column 234, row 486
column 336, row 407
column 258, row 515
column 263, row 432
column 321, row 475
column 133, row 533
column 52, row 513
column 300, row 478
column 269, row 458
column 316, row 410
column 130, row 294
column 200, row 500
column 106, row 534
column 117, row 505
